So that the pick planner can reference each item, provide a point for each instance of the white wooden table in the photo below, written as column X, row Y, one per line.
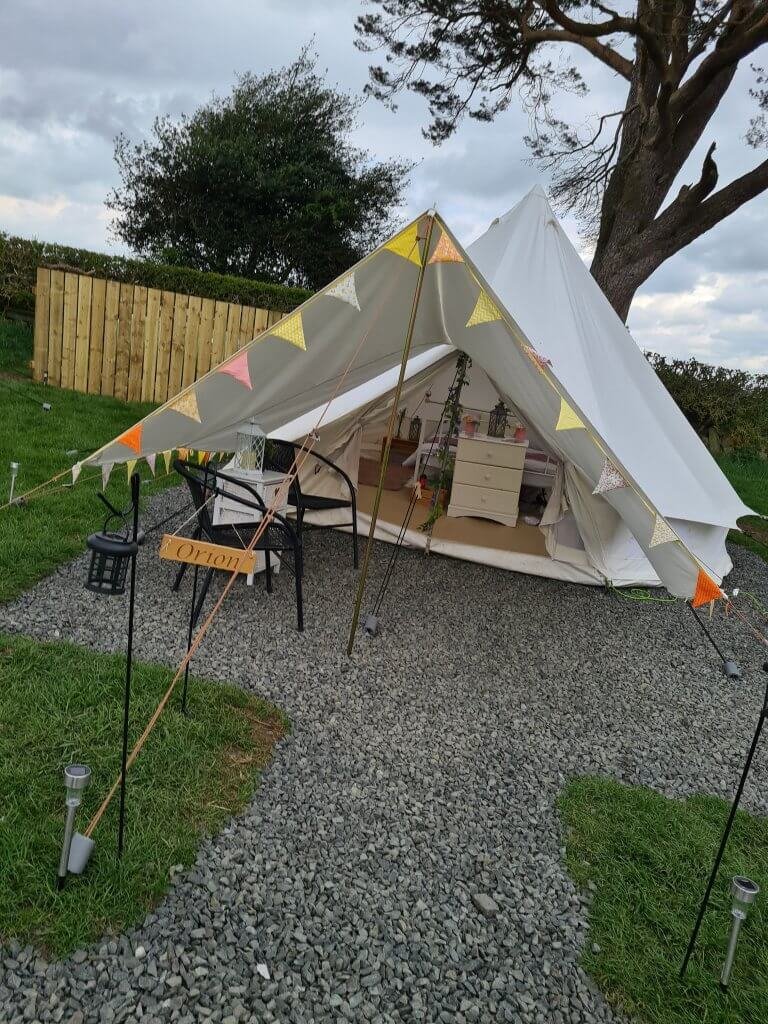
column 228, row 511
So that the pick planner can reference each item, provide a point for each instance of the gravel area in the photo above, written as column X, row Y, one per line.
column 402, row 859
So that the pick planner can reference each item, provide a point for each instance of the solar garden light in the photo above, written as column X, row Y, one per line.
column 75, row 848
column 111, row 553
column 14, row 474
column 743, row 893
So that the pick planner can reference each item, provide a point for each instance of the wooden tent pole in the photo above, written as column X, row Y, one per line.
column 390, row 432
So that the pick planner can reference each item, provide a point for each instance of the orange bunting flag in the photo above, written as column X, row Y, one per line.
column 132, row 438
column 706, row 590
column 238, row 368
column 446, row 251
column 183, row 454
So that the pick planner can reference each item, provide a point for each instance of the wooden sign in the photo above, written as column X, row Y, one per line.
column 210, row 556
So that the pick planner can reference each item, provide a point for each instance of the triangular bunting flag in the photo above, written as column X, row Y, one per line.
column 446, row 251
column 291, row 329
column 132, row 438
column 151, row 459
column 76, row 472
column 183, row 454
column 186, row 404
column 345, row 290
column 238, row 368
column 533, row 355
column 106, row 471
column 706, row 590
column 167, row 460
column 485, row 311
column 568, row 420
column 130, row 466
column 662, row 533
column 406, row 244
column 610, row 479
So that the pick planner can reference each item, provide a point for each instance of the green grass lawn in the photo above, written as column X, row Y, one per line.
column 749, row 477
column 649, row 858
column 52, row 528
column 60, row 703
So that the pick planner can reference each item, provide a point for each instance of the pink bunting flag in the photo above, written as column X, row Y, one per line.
column 150, row 459
column 238, row 368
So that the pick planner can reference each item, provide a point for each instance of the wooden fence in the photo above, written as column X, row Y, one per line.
column 136, row 343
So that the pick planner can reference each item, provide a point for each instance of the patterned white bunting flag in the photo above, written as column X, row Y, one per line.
column 346, row 291
column 610, row 479
column 662, row 533
column 106, row 471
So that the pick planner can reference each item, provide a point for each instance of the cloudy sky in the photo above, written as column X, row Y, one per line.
column 76, row 72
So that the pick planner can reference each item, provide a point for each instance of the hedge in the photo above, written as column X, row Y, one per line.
column 727, row 408
column 20, row 258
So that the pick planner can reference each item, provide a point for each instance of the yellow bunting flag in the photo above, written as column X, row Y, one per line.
column 132, row 438
column 662, row 533
column 568, row 420
column 446, row 251
column 291, row 329
column 485, row 311
column 186, row 404
column 130, row 466
column 167, row 456
column 706, row 590
column 406, row 244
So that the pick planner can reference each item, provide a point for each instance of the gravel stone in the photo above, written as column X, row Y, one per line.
column 420, row 774
column 485, row 904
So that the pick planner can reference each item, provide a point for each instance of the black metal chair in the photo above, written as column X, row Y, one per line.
column 280, row 535
column 280, row 456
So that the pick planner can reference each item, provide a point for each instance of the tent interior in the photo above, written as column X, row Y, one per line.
column 544, row 538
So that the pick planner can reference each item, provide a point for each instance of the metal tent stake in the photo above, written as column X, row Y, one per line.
column 726, row 832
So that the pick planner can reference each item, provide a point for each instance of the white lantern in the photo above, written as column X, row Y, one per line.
column 249, row 453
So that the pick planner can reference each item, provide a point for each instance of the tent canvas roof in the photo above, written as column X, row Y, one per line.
column 521, row 303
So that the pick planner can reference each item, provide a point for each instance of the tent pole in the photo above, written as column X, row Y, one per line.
column 390, row 432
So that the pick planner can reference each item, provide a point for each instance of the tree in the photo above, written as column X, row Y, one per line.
column 678, row 59
column 262, row 183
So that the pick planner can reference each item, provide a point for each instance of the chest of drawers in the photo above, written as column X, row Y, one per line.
column 486, row 479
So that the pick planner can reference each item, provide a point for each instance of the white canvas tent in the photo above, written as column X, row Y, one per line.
column 524, row 307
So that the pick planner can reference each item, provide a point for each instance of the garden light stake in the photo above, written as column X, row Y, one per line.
column 75, row 848
column 743, row 892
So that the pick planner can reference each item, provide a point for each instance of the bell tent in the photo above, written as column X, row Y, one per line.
column 622, row 489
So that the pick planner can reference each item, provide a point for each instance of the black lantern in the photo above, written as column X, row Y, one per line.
column 497, row 421
column 111, row 553
column 414, row 431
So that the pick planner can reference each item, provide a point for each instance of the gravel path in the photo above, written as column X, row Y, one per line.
column 420, row 774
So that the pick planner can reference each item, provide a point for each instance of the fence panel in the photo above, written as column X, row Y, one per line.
column 136, row 343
